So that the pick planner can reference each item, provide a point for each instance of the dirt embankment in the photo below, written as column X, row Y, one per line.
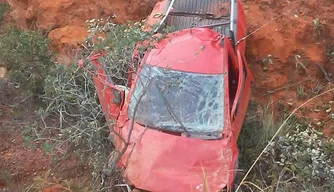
column 65, row 19
column 284, row 55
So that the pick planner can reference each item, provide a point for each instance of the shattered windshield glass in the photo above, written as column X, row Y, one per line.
column 174, row 101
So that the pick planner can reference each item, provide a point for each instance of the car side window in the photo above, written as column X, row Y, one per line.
column 232, row 79
column 236, row 68
column 244, row 74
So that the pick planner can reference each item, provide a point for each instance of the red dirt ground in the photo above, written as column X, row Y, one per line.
column 292, row 34
column 20, row 163
column 291, row 42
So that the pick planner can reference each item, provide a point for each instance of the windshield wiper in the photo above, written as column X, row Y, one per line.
column 171, row 111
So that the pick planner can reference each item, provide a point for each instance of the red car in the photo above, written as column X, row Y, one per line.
column 184, row 109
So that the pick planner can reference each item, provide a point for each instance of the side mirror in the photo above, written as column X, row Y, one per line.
column 119, row 96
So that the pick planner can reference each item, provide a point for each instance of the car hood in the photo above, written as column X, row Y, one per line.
column 157, row 161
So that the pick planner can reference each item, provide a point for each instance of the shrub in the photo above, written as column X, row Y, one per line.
column 306, row 153
column 4, row 8
column 71, row 96
column 27, row 56
column 300, row 158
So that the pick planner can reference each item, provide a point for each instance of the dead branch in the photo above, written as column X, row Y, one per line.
column 169, row 108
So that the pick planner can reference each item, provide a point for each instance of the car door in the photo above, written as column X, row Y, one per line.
column 240, row 104
column 110, row 96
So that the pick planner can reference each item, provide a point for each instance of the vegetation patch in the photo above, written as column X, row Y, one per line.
column 27, row 58
column 4, row 8
column 70, row 123
column 299, row 158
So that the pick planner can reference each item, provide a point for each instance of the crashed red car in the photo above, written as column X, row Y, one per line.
column 184, row 109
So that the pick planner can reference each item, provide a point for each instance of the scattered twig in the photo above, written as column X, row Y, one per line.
column 285, row 87
column 324, row 72
column 23, row 100
column 300, row 63
column 253, row 184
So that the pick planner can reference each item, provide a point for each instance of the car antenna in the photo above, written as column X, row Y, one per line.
column 258, row 29
column 169, row 8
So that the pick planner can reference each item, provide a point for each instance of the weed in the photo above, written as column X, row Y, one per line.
column 330, row 54
column 267, row 60
column 317, row 89
column 301, row 94
column 48, row 146
column 257, row 131
column 4, row 8
column 318, row 26
column 29, row 136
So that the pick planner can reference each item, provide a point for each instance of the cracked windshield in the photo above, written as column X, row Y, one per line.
column 179, row 101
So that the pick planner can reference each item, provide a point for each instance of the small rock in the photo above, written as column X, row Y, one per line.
column 3, row 71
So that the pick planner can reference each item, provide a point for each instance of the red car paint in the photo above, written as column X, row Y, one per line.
column 161, row 161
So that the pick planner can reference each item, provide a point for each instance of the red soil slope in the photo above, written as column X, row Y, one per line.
column 65, row 19
column 302, row 36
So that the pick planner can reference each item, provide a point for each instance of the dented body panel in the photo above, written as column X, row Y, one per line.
column 164, row 154
column 164, row 162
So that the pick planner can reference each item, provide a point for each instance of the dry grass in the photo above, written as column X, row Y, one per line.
column 259, row 157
